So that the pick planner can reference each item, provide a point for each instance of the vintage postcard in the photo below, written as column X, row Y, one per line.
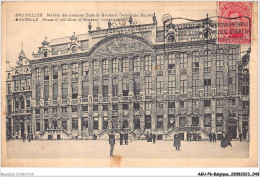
column 129, row 84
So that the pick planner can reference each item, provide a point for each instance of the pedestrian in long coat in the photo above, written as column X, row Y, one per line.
column 154, row 138
column 240, row 136
column 126, row 138
column 224, row 140
column 210, row 137
column 214, row 137
column 121, row 138
column 177, row 142
column 112, row 143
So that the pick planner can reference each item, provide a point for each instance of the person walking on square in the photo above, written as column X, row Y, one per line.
column 154, row 138
column 210, row 137
column 214, row 137
column 224, row 141
column 24, row 137
column 121, row 139
column 112, row 143
column 240, row 137
column 177, row 141
column 126, row 138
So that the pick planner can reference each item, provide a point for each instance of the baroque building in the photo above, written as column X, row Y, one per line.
column 134, row 78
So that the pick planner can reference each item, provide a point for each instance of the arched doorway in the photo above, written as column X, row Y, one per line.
column 125, row 124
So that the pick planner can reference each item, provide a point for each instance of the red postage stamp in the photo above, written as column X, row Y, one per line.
column 234, row 22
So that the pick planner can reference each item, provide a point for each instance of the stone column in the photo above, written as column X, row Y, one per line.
column 131, row 91
column 69, row 110
column 225, row 90
column 80, row 111
column 90, row 101
column 33, row 100
column 153, row 92
column 59, row 98
column 165, row 93
column 110, row 93
column 42, row 100
column 201, row 88
column 213, row 114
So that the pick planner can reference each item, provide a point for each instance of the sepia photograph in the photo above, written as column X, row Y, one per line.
column 129, row 84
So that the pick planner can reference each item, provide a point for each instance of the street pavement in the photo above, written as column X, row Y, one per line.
column 135, row 149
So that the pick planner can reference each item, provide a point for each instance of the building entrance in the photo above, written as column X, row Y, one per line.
column 195, row 121
column 232, row 131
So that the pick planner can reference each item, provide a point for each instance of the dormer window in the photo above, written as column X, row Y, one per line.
column 45, row 53
column 74, row 49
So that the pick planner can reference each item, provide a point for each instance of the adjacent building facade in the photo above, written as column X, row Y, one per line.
column 134, row 78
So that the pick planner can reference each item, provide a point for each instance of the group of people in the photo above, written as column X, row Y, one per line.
column 225, row 141
column 29, row 137
column 150, row 137
column 212, row 137
column 123, row 138
column 193, row 136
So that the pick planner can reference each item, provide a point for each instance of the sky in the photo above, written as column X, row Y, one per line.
column 32, row 34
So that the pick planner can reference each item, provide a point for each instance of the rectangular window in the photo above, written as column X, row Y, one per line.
column 245, row 105
column 64, row 71
column 85, row 108
column 75, row 70
column 115, row 107
column 85, row 68
column 195, row 61
column 195, row 84
column 46, row 73
column 105, row 107
column 38, row 125
column 54, row 110
column 148, row 122
column 220, row 59
column 148, row 85
column 137, row 106
column 16, row 85
column 160, row 62
column 136, row 123
column 159, row 105
column 64, row 110
column 74, row 124
column 125, row 106
column 105, row 88
column 207, row 120
column 96, row 67
column 159, row 121
column 219, row 102
column 28, row 84
column 183, row 104
column 126, row 65
column 183, row 60
column 219, row 81
column 22, row 82
column 171, row 104
column 95, row 107
column 85, row 89
column 207, row 60
column 137, row 86
column 46, row 92
column 171, row 65
column 74, row 90
column 8, row 89
column 207, row 103
column 219, row 121
column 55, row 72
column 115, row 87
column 105, row 123
column 95, row 127
column 232, row 102
column 64, row 90
column 159, row 87
column 147, row 63
column 207, row 83
column 232, row 58
column 38, row 74
column 115, row 65
column 28, row 102
column 74, row 109
column 55, row 91
column 171, row 84
column 232, row 85
column 195, row 103
column 105, row 66
column 95, row 89
column 125, row 86
column 137, row 64
column 38, row 92
column 183, row 83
